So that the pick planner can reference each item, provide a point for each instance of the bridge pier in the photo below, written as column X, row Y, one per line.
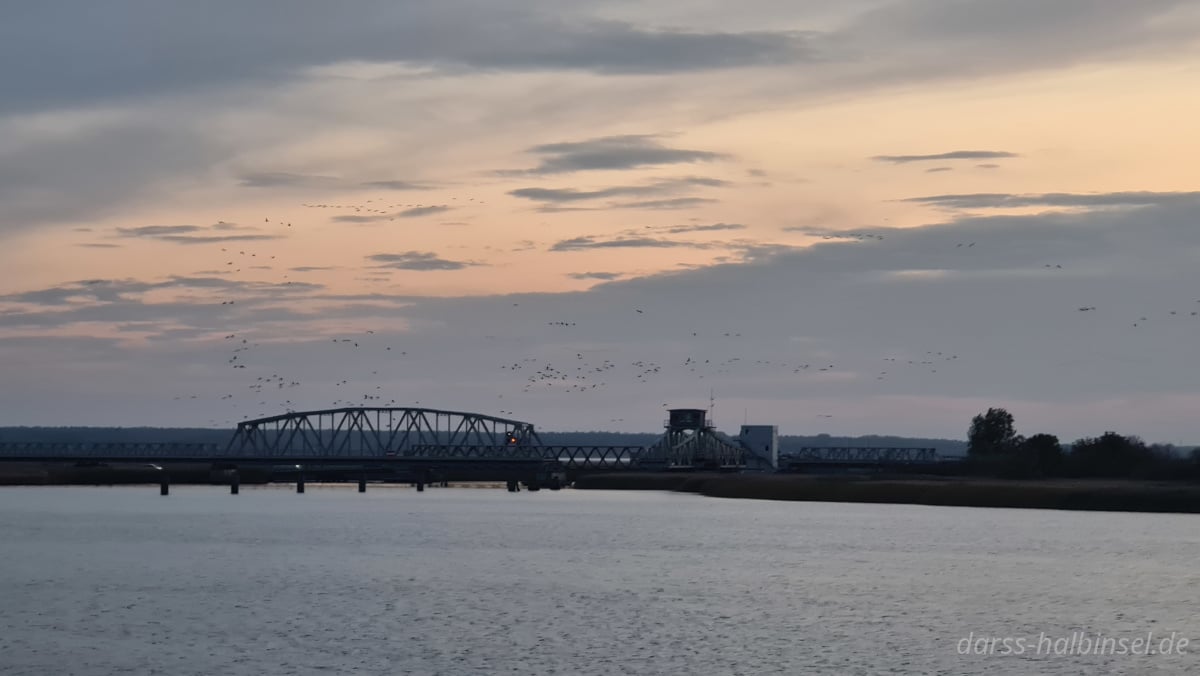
column 164, row 485
column 300, row 484
column 362, row 484
column 514, row 486
column 235, row 483
column 420, row 486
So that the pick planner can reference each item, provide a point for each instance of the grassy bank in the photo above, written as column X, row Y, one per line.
column 1124, row 496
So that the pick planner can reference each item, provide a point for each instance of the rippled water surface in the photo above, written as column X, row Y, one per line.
column 472, row 581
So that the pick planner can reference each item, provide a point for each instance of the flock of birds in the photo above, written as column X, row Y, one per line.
column 712, row 357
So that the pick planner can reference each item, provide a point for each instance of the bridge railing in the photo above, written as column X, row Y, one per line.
column 108, row 449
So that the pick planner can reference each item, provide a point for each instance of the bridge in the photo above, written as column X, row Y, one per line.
column 860, row 455
column 419, row 445
column 424, row 445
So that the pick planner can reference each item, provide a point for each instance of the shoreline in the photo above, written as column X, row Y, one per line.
column 1114, row 495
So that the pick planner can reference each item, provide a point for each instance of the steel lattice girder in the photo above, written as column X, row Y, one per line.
column 375, row 431
column 595, row 457
column 688, row 449
column 864, row 454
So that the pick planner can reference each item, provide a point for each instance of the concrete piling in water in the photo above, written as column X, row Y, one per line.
column 362, row 485
column 300, row 484
column 420, row 486
column 235, row 483
column 164, row 485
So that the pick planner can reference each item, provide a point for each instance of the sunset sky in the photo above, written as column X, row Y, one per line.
column 853, row 217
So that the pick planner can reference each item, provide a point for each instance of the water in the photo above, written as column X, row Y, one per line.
column 461, row 581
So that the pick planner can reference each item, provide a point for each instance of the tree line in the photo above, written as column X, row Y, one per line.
column 994, row 447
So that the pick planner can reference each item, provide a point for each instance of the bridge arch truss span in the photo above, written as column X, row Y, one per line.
column 380, row 432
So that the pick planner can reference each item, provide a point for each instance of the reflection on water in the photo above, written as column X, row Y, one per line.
column 456, row 581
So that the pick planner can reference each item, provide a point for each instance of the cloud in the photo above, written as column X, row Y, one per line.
column 926, row 40
column 417, row 212
column 284, row 179
column 103, row 58
column 554, row 199
column 83, row 167
column 189, row 234
column 211, row 239
column 414, row 212
column 589, row 242
column 1084, row 200
column 935, row 170
column 417, row 260
column 395, row 185
column 677, row 229
column 606, row 276
column 90, row 292
column 672, row 203
column 91, row 62
column 954, row 155
column 916, row 334
column 574, row 195
column 613, row 153
column 280, row 179
column 157, row 230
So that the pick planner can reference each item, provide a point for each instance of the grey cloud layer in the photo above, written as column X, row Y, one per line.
column 590, row 242
column 414, row 212
column 105, row 50
column 613, row 152
column 553, row 199
column 953, row 155
column 1057, row 199
column 141, row 55
column 195, row 234
column 417, row 260
column 576, row 195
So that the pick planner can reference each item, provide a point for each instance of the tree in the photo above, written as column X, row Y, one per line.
column 1039, row 455
column 1111, row 455
column 992, row 434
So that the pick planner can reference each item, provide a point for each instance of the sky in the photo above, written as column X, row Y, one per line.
column 853, row 217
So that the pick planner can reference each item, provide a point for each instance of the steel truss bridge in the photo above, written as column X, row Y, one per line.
column 422, row 442
column 858, row 456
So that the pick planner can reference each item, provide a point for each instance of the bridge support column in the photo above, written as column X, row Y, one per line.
column 235, row 483
column 420, row 486
column 300, row 484
column 362, row 484
column 164, row 485
column 514, row 487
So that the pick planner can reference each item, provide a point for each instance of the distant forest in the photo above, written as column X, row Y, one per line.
column 787, row 443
